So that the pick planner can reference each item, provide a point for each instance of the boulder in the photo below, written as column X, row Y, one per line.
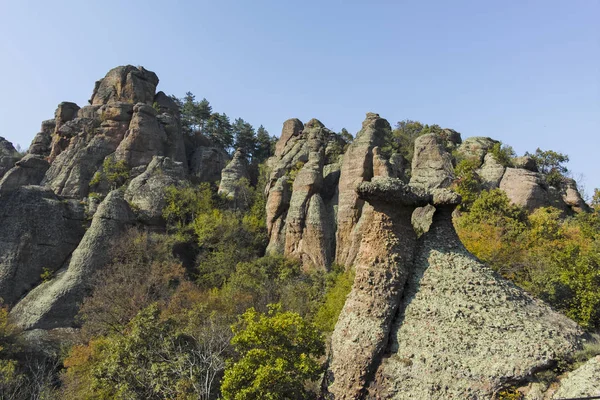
column 146, row 192
column 55, row 303
column 383, row 263
column 431, row 163
column 583, row 382
column 491, row 172
column 291, row 128
column 525, row 162
column 571, row 196
column 127, row 84
column 38, row 233
column 29, row 170
column 462, row 331
column 42, row 142
column 358, row 165
column 8, row 156
column 476, row 147
column 525, row 188
column 231, row 186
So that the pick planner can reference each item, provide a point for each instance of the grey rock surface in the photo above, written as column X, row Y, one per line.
column 29, row 170
column 491, row 172
column 8, row 156
column 583, row 382
column 54, row 304
column 231, row 186
column 525, row 188
column 146, row 192
column 42, row 142
column 207, row 163
column 431, row 163
column 38, row 231
column 127, row 84
column 476, row 147
column 464, row 332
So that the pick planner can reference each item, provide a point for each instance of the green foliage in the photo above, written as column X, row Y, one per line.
column 245, row 137
column 113, row 173
column 595, row 203
column 555, row 259
column 467, row 182
column 293, row 172
column 402, row 138
column 334, row 300
column 183, row 204
column 347, row 136
column 265, row 146
column 551, row 163
column 503, row 154
column 46, row 275
column 278, row 353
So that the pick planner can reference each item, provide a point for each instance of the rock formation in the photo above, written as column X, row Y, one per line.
column 476, row 147
column 491, row 172
column 358, row 165
column 8, row 156
column 29, row 170
column 525, row 188
column 38, row 233
column 231, row 186
column 383, row 263
column 461, row 330
column 126, row 84
column 431, row 164
column 55, row 303
column 583, row 382
column 42, row 142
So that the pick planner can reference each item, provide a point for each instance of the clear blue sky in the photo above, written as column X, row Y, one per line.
column 524, row 72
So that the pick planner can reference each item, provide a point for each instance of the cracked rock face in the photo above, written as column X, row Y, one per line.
column 125, row 83
column 302, row 195
column 432, row 164
column 383, row 263
column 39, row 231
column 29, row 170
column 7, row 156
column 461, row 330
column 55, row 303
column 359, row 165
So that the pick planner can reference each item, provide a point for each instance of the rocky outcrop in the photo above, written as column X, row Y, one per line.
column 491, row 172
column 461, row 330
column 150, row 135
column 583, row 382
column 65, row 112
column 525, row 188
column 206, row 163
column 358, row 165
column 146, row 192
column 525, row 162
column 231, row 186
column 54, row 304
column 431, row 164
column 29, row 170
column 42, row 142
column 8, row 156
column 476, row 147
column 38, row 233
column 302, row 195
column 125, row 84
column 383, row 263
column 571, row 196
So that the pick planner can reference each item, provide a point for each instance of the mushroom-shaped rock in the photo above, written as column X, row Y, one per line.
column 54, row 304
column 431, row 164
column 461, row 330
column 383, row 263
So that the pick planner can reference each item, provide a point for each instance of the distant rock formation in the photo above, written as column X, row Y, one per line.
column 231, row 186
column 29, row 170
column 431, row 164
column 7, row 156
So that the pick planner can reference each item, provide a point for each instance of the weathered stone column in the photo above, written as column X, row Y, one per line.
column 383, row 263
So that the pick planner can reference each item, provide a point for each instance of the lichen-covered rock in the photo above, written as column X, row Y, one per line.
column 54, row 304
column 491, row 172
column 150, row 135
column 127, row 84
column 146, row 192
column 525, row 188
column 90, row 143
column 38, row 231
column 8, row 156
column 65, row 112
column 291, row 128
column 358, row 165
column 462, row 331
column 42, row 142
column 231, row 186
column 476, row 147
column 431, row 163
column 382, row 266
column 29, row 170
column 583, row 382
